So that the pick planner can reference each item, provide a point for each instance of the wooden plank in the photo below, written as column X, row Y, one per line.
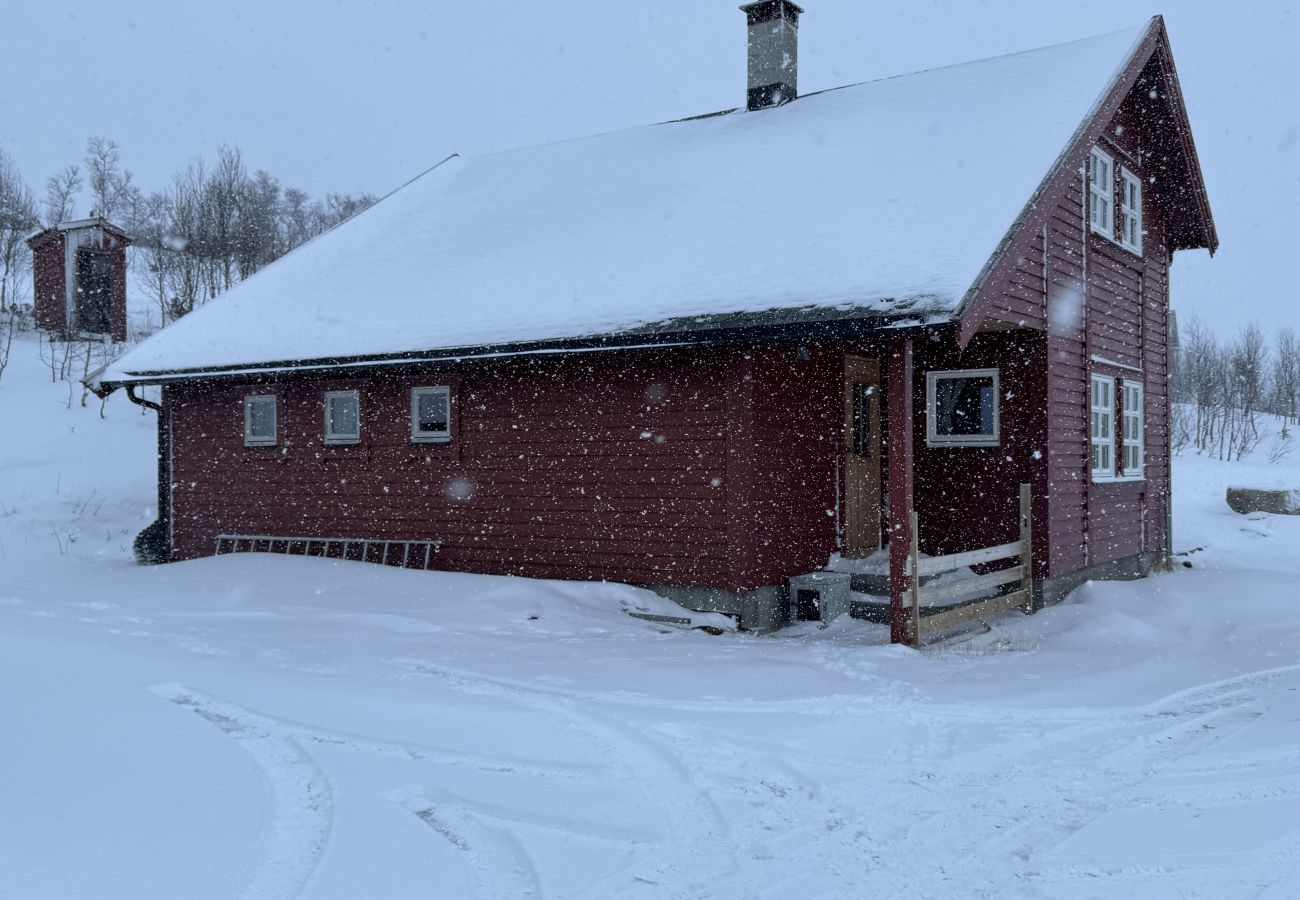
column 900, row 480
column 972, row 585
column 933, row 565
column 984, row 609
column 914, row 555
column 655, row 617
column 1027, row 540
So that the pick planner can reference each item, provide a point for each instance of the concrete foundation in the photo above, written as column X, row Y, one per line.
column 761, row 610
column 766, row 609
column 1050, row 591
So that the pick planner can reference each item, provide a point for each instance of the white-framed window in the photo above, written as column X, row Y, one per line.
column 1103, row 427
column 1130, row 211
column 962, row 408
column 1118, row 423
column 342, row 417
column 430, row 414
column 1101, row 192
column 260, row 420
column 1134, row 409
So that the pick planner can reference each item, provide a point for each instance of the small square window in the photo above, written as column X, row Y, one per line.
column 962, row 408
column 342, row 417
column 430, row 414
column 259, row 420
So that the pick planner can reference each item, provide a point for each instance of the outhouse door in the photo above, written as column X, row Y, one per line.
column 862, row 445
column 94, row 292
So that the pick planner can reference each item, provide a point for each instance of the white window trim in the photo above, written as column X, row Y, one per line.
column 1098, row 192
column 1114, row 364
column 1101, row 473
column 335, row 439
column 1129, row 213
column 1138, row 472
column 933, row 439
column 249, row 439
column 429, row 437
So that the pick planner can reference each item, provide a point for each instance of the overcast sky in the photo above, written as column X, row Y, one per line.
column 360, row 96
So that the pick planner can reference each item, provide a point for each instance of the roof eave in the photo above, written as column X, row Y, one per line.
column 1209, row 232
column 724, row 332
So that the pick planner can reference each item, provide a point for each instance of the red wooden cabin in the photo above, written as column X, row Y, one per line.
column 704, row 356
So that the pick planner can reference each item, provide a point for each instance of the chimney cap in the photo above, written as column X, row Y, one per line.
column 766, row 10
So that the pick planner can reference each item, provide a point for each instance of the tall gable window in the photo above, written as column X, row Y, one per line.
column 1118, row 450
column 430, row 414
column 962, row 408
column 342, row 417
column 1103, row 428
column 1130, row 211
column 259, row 420
column 1134, row 414
column 1101, row 192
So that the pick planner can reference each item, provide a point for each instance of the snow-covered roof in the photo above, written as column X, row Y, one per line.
column 887, row 197
column 76, row 224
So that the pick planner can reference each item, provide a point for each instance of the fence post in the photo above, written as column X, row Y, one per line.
column 1027, row 541
column 915, row 587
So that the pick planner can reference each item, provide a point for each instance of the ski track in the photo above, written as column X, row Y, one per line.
column 303, row 802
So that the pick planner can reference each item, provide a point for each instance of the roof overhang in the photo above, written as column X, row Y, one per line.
column 816, row 324
column 77, row 225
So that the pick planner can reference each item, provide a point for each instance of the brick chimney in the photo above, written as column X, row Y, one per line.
column 773, row 52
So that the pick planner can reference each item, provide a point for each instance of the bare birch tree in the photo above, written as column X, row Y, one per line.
column 17, row 220
column 61, row 190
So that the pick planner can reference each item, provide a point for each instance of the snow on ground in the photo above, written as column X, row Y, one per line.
column 267, row 727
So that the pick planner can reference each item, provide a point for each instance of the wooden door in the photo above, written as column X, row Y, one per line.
column 862, row 443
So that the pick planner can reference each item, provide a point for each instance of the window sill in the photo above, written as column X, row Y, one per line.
column 1110, row 238
column 1111, row 479
column 342, row 442
column 261, row 445
column 430, row 439
column 991, row 444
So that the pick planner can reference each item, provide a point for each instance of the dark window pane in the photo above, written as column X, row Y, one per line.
column 964, row 406
column 862, row 419
column 344, row 418
column 431, row 412
column 261, row 419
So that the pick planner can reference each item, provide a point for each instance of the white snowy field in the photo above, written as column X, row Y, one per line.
column 269, row 727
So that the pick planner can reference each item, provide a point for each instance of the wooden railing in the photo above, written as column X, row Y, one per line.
column 413, row 554
column 1015, row 581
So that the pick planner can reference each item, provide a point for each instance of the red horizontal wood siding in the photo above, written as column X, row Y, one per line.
column 1107, row 312
column 49, row 275
column 969, row 497
column 798, row 440
column 586, row 467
